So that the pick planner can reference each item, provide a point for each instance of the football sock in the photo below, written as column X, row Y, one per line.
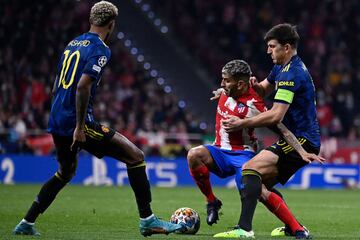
column 147, row 218
column 278, row 207
column 29, row 223
column 45, row 197
column 274, row 190
column 141, row 187
column 250, row 193
column 201, row 175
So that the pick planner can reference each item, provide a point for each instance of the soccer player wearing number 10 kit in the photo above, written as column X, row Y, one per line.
column 72, row 124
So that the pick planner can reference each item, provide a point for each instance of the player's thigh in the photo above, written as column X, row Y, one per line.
column 124, row 150
column 104, row 141
column 66, row 158
column 264, row 163
column 199, row 156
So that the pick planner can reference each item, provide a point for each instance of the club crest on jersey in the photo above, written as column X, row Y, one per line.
column 241, row 107
column 102, row 61
column 105, row 129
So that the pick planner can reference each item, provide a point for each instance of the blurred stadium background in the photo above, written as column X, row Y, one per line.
column 166, row 60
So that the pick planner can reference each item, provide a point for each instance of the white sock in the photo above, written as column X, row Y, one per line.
column 144, row 219
column 24, row 221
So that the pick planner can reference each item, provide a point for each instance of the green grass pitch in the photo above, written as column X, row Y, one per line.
column 81, row 212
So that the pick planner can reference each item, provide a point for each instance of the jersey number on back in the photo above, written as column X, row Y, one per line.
column 75, row 56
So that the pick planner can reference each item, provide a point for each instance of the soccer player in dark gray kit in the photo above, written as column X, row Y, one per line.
column 294, row 106
column 72, row 124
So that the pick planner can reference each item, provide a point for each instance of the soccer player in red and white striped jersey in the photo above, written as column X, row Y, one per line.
column 232, row 149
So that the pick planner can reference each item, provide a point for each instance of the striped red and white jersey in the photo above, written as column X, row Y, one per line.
column 248, row 105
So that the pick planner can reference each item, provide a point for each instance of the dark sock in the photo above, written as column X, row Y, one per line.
column 141, row 187
column 45, row 197
column 250, row 193
column 201, row 176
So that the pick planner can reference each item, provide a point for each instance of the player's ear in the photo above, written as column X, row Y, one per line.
column 287, row 47
column 111, row 24
column 240, row 83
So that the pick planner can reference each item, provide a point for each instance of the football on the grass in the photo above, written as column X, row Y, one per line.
column 188, row 216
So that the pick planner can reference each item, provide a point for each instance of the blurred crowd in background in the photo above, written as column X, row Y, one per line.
column 33, row 36
column 217, row 31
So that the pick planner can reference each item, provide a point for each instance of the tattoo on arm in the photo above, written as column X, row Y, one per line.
column 290, row 138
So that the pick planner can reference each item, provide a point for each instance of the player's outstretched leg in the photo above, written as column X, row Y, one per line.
column 25, row 228
column 201, row 176
column 199, row 160
column 43, row 200
column 250, row 193
column 274, row 201
column 153, row 225
column 149, row 223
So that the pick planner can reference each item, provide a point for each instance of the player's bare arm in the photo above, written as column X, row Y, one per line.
column 263, row 88
column 264, row 119
column 82, row 100
column 294, row 142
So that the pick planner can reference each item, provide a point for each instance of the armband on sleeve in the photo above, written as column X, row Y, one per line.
column 284, row 95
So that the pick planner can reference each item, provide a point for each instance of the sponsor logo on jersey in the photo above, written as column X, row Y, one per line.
column 286, row 83
column 223, row 114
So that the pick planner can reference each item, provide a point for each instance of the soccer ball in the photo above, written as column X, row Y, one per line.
column 188, row 216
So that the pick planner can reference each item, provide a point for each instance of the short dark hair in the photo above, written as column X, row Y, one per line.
column 238, row 69
column 284, row 33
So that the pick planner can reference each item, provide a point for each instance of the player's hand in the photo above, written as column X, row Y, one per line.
column 78, row 138
column 310, row 157
column 217, row 93
column 256, row 85
column 232, row 123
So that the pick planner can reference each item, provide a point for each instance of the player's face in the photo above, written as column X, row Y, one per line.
column 229, row 84
column 277, row 51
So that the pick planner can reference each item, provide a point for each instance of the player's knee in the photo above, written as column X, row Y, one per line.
column 137, row 158
column 140, row 156
column 67, row 172
column 191, row 156
column 250, row 165
column 66, row 175
column 194, row 156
